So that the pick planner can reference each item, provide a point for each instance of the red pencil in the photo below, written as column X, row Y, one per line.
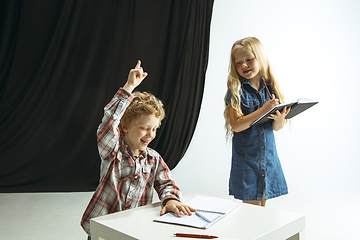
column 267, row 90
column 194, row 235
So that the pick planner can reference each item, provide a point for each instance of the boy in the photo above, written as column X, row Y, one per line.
column 129, row 169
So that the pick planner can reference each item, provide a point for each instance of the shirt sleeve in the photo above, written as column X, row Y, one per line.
column 229, row 95
column 164, row 184
column 108, row 133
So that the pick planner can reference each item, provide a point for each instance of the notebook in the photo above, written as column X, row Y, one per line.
column 209, row 211
column 297, row 107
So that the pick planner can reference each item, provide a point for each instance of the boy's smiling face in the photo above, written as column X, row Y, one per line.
column 141, row 132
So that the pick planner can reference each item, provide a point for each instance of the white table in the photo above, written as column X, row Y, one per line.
column 245, row 222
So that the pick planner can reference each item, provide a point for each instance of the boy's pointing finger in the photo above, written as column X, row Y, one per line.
column 138, row 64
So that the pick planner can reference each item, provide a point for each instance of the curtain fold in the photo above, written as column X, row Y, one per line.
column 62, row 61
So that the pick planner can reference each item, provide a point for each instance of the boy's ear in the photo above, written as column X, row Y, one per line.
column 124, row 128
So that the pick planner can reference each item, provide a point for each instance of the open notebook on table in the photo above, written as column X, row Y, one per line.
column 209, row 211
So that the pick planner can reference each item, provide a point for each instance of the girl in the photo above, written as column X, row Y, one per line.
column 256, row 173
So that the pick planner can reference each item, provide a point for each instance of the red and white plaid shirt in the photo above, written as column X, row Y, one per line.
column 126, row 181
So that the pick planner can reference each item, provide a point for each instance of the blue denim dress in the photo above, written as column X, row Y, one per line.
column 255, row 162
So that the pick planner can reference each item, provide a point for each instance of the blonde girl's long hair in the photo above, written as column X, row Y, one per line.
column 234, row 79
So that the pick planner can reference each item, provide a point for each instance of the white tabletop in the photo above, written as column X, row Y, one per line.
column 245, row 222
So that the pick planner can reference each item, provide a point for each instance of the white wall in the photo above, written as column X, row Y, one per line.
column 314, row 47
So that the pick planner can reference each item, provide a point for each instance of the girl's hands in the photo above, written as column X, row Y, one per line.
column 273, row 102
column 136, row 76
column 279, row 116
column 176, row 207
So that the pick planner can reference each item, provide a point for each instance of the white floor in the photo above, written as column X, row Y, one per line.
column 42, row 216
column 55, row 216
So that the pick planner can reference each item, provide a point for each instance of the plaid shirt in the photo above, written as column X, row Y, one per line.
column 126, row 181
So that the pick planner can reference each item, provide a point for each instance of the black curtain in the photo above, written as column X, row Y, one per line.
column 62, row 61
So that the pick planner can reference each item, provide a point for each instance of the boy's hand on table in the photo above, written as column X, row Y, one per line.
column 177, row 207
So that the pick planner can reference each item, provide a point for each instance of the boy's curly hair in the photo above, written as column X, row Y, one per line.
column 142, row 103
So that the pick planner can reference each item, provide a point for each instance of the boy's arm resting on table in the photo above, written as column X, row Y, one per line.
column 108, row 133
column 168, row 192
column 176, row 207
column 164, row 183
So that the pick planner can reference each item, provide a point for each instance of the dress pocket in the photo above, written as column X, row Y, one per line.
column 249, row 105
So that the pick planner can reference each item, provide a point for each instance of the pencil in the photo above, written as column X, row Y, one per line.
column 267, row 90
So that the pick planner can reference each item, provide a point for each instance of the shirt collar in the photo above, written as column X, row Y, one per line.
column 127, row 150
column 246, row 84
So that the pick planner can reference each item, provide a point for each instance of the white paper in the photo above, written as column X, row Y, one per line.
column 202, row 203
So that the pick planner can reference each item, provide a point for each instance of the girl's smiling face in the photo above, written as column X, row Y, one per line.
column 246, row 64
column 141, row 132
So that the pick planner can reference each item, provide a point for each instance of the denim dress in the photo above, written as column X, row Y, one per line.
column 255, row 163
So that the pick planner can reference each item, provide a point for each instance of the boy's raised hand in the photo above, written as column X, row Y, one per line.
column 136, row 76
